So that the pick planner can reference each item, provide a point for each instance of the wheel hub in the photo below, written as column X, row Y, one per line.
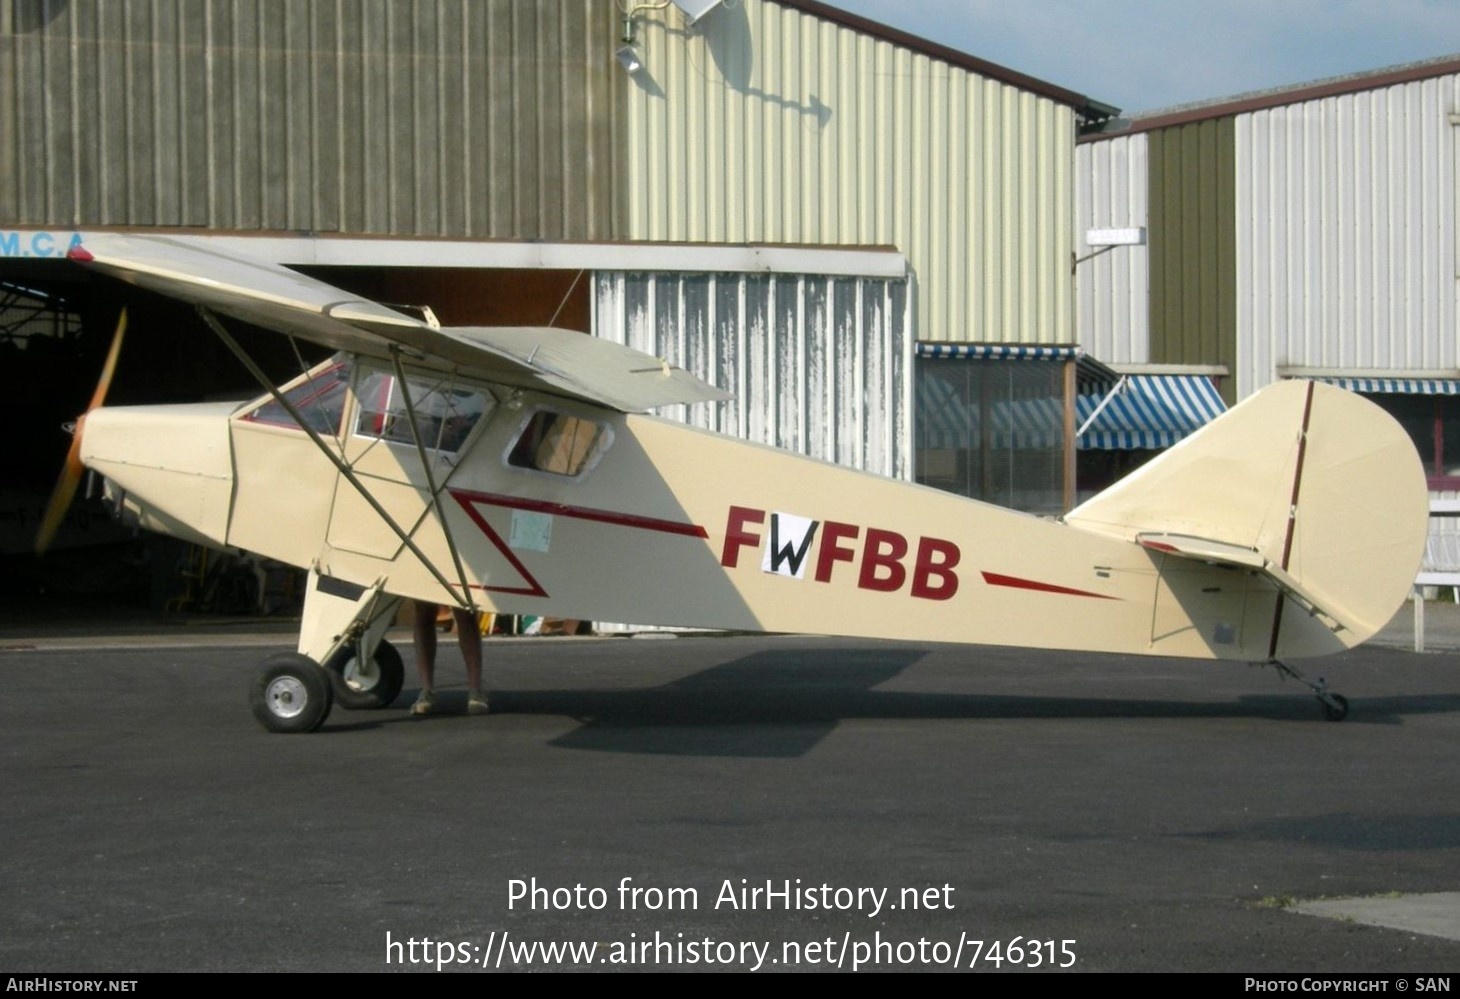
column 360, row 677
column 287, row 697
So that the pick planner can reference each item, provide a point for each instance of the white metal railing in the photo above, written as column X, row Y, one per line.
column 1441, row 565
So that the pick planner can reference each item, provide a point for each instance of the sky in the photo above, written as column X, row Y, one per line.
column 1141, row 55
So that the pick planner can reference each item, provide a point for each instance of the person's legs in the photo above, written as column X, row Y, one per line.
column 425, row 641
column 469, row 637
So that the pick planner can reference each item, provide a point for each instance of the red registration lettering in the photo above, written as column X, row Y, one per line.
column 831, row 533
column 736, row 537
column 883, row 552
column 933, row 577
column 882, row 556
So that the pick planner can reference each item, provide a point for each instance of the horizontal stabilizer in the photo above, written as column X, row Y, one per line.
column 1313, row 486
column 557, row 361
column 1237, row 557
column 1202, row 549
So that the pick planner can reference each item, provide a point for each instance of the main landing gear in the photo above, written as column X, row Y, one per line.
column 343, row 658
column 373, row 684
column 1335, row 706
column 293, row 693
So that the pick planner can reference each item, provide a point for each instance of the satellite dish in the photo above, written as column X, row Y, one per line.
column 693, row 10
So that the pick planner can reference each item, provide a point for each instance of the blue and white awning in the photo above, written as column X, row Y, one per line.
column 1091, row 373
column 1395, row 386
column 1147, row 411
column 998, row 351
column 1139, row 411
column 1112, row 412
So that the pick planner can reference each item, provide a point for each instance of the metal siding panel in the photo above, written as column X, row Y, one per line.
column 1113, row 286
column 1192, row 243
column 420, row 117
column 398, row 98
column 12, row 111
column 60, row 78
column 817, row 365
column 526, row 185
column 249, row 146
column 324, row 85
column 767, row 124
column 1346, row 243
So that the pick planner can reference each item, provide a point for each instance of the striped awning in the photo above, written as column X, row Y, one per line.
column 1091, row 373
column 997, row 351
column 1395, row 386
column 1147, row 411
column 1112, row 412
column 1139, row 411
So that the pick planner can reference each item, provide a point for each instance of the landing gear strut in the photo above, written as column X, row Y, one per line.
column 1335, row 706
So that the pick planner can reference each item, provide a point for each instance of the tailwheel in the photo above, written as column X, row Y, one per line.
column 291, row 693
column 1335, row 706
column 370, row 684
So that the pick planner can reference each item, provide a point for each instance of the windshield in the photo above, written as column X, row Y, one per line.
column 445, row 414
column 319, row 397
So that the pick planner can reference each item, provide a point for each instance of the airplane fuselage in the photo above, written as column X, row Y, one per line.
column 655, row 523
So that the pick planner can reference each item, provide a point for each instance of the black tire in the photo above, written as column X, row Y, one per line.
column 1335, row 708
column 376, row 687
column 291, row 694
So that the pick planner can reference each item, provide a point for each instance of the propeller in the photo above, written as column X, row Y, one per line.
column 72, row 471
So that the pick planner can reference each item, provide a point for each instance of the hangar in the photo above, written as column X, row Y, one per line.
column 783, row 197
column 1304, row 232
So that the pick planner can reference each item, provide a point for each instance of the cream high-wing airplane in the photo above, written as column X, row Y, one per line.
column 510, row 470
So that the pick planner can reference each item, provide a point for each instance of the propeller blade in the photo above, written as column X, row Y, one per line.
column 73, row 469
column 109, row 367
column 62, row 495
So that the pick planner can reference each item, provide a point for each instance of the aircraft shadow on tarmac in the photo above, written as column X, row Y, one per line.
column 777, row 704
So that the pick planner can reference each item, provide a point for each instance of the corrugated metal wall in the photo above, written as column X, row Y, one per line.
column 1112, row 285
column 818, row 365
column 1191, row 170
column 483, row 118
column 1347, row 230
column 766, row 124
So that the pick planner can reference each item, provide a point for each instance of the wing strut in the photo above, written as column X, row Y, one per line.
column 336, row 460
column 405, row 393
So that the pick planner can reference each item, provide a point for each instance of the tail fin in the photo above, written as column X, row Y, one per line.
column 1313, row 486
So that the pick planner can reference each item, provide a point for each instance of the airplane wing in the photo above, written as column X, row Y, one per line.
column 557, row 361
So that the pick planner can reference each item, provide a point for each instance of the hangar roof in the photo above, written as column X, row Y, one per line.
column 1260, row 100
column 1086, row 108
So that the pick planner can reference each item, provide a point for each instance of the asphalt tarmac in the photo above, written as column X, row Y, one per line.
column 746, row 802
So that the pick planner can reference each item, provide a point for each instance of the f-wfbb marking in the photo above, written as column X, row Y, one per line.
column 878, row 556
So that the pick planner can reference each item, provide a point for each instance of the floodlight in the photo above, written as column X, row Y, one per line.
column 629, row 59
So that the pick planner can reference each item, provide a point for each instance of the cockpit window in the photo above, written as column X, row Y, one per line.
column 559, row 443
column 445, row 416
column 319, row 398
